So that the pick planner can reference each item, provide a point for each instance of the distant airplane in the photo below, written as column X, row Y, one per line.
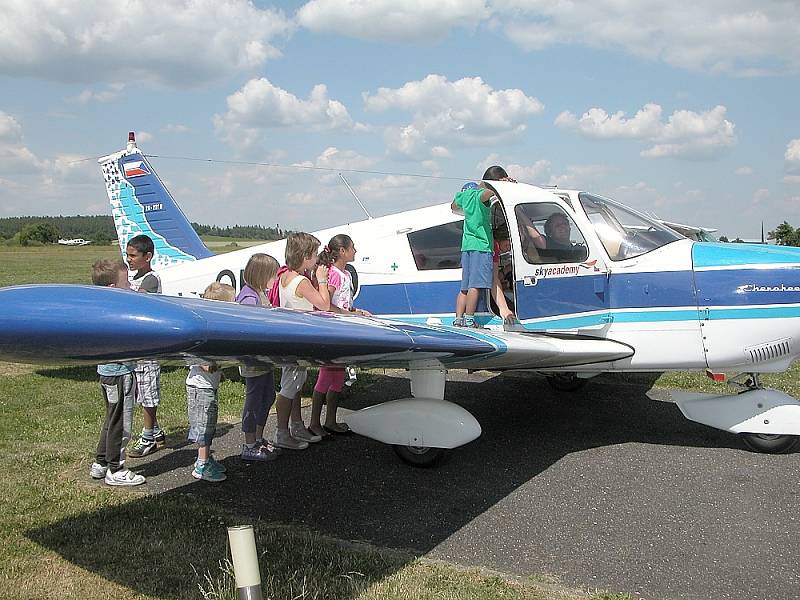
column 75, row 242
column 618, row 292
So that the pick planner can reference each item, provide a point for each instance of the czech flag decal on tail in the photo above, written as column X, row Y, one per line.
column 135, row 169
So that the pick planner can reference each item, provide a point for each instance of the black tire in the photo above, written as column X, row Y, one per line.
column 770, row 443
column 419, row 456
column 565, row 382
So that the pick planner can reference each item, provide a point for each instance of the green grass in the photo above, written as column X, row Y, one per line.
column 63, row 536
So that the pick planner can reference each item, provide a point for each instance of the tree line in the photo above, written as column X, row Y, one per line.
column 100, row 230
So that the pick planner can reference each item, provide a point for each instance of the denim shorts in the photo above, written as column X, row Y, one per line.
column 476, row 270
column 201, row 404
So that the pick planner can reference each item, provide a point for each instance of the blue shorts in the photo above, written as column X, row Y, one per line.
column 476, row 270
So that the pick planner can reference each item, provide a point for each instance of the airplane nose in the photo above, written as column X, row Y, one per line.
column 48, row 323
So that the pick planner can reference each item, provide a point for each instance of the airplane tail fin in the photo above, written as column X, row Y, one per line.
column 140, row 203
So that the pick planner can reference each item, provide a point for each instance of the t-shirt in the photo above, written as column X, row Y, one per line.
column 149, row 282
column 114, row 369
column 200, row 378
column 477, row 221
column 250, row 296
column 342, row 281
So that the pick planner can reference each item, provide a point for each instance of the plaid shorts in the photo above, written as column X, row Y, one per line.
column 202, row 407
column 148, row 383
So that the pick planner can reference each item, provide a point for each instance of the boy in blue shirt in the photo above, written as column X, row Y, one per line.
column 119, row 387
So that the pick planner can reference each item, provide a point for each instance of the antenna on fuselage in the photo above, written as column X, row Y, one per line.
column 364, row 208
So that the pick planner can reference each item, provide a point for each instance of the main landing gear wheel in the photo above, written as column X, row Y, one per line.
column 565, row 382
column 419, row 456
column 770, row 443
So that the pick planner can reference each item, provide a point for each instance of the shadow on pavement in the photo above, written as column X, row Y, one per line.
column 353, row 488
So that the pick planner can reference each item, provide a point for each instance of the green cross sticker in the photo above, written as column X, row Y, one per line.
column 394, row 266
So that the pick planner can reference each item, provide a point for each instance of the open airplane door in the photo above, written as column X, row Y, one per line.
column 560, row 277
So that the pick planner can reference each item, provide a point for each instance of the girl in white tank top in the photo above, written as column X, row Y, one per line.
column 297, row 292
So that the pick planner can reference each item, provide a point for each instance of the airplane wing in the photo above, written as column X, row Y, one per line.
column 90, row 324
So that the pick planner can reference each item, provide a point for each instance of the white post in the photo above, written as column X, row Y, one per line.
column 245, row 562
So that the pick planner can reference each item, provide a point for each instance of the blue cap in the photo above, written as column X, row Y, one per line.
column 470, row 185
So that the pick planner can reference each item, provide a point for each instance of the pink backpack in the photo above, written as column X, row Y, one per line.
column 274, row 294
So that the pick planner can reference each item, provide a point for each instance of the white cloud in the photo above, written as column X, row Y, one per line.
column 744, row 171
column 107, row 94
column 183, row 43
column 15, row 157
column 737, row 37
column 175, row 128
column 685, row 134
column 260, row 105
column 410, row 21
column 463, row 111
column 792, row 154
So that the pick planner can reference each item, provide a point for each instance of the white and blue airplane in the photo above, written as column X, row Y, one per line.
column 617, row 292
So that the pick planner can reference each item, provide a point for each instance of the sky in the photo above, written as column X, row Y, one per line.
column 250, row 110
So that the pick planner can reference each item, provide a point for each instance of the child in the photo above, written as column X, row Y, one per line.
column 339, row 251
column 201, row 402
column 476, row 249
column 259, row 275
column 117, row 384
column 296, row 291
column 139, row 253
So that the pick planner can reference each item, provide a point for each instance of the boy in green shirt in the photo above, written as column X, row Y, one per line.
column 476, row 249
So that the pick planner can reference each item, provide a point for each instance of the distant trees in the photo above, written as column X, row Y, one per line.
column 247, row 232
column 723, row 238
column 44, row 233
column 100, row 229
column 785, row 235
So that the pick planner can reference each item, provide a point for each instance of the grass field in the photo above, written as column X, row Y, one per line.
column 62, row 536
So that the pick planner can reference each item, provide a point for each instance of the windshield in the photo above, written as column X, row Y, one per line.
column 623, row 232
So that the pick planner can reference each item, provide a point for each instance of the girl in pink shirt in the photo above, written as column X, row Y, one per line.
column 339, row 251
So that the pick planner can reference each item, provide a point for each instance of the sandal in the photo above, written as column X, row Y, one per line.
column 345, row 429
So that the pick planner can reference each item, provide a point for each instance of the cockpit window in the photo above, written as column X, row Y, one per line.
column 549, row 235
column 623, row 232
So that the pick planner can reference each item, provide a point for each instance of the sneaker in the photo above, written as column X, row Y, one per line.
column 220, row 467
column 209, row 472
column 123, row 477
column 271, row 447
column 469, row 321
column 160, row 439
column 98, row 471
column 299, row 432
column 257, row 454
column 458, row 322
column 142, row 447
column 284, row 440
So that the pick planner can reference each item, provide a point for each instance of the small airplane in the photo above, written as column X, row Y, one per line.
column 612, row 290
column 74, row 242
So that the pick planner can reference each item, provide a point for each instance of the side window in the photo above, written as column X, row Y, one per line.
column 437, row 247
column 549, row 235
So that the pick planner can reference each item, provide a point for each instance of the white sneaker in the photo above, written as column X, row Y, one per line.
column 284, row 440
column 98, row 471
column 299, row 432
column 124, row 477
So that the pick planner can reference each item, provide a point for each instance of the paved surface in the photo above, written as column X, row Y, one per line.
column 606, row 488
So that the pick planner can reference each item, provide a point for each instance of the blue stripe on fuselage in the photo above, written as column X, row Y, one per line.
column 730, row 255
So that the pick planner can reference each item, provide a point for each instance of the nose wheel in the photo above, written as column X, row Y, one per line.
column 770, row 443
column 419, row 456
